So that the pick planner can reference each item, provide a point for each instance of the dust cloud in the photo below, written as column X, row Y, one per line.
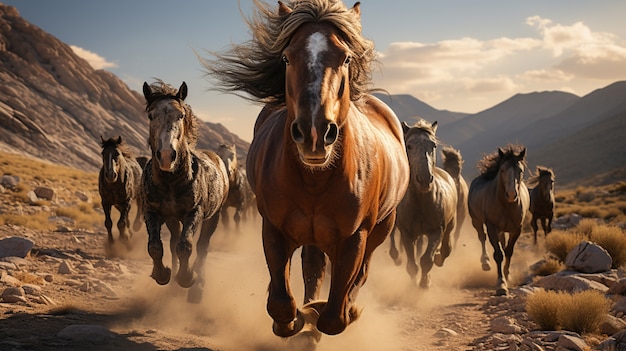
column 232, row 314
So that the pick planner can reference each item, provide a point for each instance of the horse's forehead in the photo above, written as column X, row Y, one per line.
column 166, row 107
column 418, row 135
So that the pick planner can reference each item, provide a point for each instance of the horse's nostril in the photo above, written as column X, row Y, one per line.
column 332, row 132
column 158, row 154
column 296, row 133
column 173, row 155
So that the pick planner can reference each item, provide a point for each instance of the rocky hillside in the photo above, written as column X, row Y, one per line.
column 55, row 106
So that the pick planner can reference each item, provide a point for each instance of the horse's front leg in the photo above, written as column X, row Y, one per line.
column 408, row 241
column 108, row 223
column 185, row 276
column 160, row 273
column 174, row 227
column 313, row 270
column 347, row 260
column 281, row 305
column 508, row 251
column 202, row 250
column 533, row 224
column 494, row 239
column 393, row 251
column 484, row 257
column 426, row 261
column 123, row 224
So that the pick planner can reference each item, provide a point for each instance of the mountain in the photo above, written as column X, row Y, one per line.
column 54, row 106
column 408, row 109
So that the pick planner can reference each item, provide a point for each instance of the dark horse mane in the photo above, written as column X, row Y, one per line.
column 259, row 71
column 452, row 159
column 541, row 172
column 161, row 91
column 489, row 165
column 123, row 147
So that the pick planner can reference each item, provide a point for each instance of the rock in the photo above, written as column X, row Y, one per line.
column 13, row 295
column 616, row 342
column 10, row 182
column 9, row 280
column 65, row 268
column 505, row 325
column 93, row 334
column 571, row 343
column 588, row 257
column 32, row 197
column 564, row 281
column 15, row 246
column 83, row 196
column 618, row 288
column 611, row 325
column 45, row 193
column 32, row 289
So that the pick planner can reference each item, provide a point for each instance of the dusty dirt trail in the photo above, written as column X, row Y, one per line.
column 232, row 316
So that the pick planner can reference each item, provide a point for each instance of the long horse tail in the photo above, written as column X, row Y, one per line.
column 452, row 162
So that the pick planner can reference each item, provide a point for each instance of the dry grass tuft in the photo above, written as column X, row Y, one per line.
column 613, row 240
column 548, row 267
column 581, row 312
column 559, row 243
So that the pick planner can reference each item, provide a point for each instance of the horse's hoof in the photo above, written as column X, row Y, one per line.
column 486, row 266
column 186, row 280
column 502, row 291
column 285, row 330
column 195, row 294
column 306, row 340
column 162, row 277
column 425, row 284
column 438, row 260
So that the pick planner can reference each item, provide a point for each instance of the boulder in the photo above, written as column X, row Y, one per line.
column 588, row 257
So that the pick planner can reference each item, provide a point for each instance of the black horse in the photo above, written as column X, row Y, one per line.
column 182, row 187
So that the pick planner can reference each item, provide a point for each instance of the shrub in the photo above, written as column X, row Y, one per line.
column 586, row 226
column 549, row 266
column 543, row 307
column 581, row 312
column 613, row 240
column 560, row 243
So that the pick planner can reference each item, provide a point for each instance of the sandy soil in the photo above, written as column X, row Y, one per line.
column 232, row 316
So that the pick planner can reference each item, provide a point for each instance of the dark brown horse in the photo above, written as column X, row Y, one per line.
column 327, row 161
column 182, row 187
column 453, row 164
column 498, row 200
column 542, row 200
column 238, row 190
column 429, row 206
column 119, row 183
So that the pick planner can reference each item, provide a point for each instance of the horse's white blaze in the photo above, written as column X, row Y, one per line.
column 316, row 46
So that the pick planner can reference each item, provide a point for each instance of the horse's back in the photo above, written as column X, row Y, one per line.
column 217, row 175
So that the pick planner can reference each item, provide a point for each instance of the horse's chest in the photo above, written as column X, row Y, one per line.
column 171, row 202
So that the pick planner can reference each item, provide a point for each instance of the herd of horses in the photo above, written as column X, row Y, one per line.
column 330, row 170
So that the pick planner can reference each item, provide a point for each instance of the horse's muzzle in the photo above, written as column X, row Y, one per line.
column 166, row 159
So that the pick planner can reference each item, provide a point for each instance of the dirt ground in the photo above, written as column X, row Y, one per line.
column 141, row 315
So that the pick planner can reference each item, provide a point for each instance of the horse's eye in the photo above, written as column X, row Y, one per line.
column 409, row 147
column 285, row 59
column 150, row 116
column 347, row 61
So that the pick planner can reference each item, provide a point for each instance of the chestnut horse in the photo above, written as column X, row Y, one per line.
column 429, row 206
column 542, row 200
column 498, row 199
column 119, row 183
column 327, row 160
column 182, row 187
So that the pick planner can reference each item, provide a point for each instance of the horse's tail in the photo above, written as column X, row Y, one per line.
column 452, row 162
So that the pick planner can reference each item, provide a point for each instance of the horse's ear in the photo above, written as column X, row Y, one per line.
column 101, row 140
column 119, row 140
column 146, row 91
column 500, row 152
column 522, row 154
column 283, row 9
column 182, row 92
column 405, row 127
column 356, row 9
column 434, row 126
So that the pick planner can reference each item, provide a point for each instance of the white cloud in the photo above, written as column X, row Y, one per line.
column 96, row 61
column 467, row 71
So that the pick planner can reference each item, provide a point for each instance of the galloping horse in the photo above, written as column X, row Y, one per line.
column 180, row 186
column 499, row 200
column 327, row 161
column 429, row 206
column 542, row 200
column 238, row 183
column 119, row 183
column 453, row 164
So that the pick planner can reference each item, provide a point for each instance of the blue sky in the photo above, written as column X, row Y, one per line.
column 458, row 55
